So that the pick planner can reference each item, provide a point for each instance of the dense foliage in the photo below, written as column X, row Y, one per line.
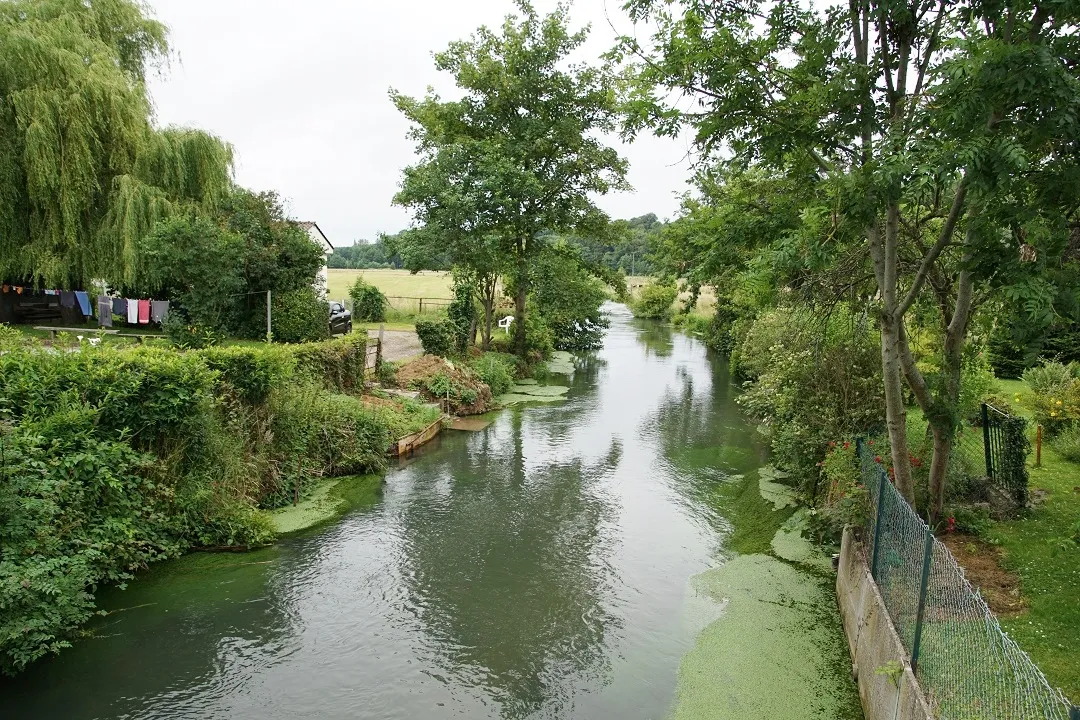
column 655, row 300
column 84, row 174
column 114, row 458
column 364, row 255
column 568, row 299
column 519, row 155
column 368, row 302
column 436, row 336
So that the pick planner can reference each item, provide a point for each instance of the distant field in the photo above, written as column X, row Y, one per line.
column 393, row 283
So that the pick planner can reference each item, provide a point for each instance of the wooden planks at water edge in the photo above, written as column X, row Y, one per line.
column 407, row 444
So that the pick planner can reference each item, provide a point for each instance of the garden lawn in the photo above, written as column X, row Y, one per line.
column 1039, row 549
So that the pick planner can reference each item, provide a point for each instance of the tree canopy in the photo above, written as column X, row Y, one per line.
column 517, row 155
column 84, row 174
column 940, row 136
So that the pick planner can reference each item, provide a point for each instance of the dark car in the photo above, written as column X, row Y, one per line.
column 340, row 319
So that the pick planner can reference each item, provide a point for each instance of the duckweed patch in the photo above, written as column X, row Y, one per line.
column 329, row 500
column 754, row 520
column 561, row 363
column 780, row 495
column 774, row 653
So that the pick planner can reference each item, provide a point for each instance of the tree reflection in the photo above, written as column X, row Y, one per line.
column 508, row 569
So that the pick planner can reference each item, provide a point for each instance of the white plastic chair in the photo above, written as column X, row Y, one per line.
column 504, row 324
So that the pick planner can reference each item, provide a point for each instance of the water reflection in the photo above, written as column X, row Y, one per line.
column 515, row 601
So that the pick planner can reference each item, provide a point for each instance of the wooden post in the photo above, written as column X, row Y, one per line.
column 1038, row 446
column 421, row 307
column 269, row 332
column 987, row 455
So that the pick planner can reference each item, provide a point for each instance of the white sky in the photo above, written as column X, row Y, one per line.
column 300, row 90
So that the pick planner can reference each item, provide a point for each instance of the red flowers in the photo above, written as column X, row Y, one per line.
column 917, row 462
column 847, row 445
column 877, row 459
column 952, row 525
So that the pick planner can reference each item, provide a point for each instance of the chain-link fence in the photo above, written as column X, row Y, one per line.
column 968, row 667
column 988, row 459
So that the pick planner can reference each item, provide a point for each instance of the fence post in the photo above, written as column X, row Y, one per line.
column 1074, row 713
column 986, row 442
column 877, row 524
column 421, row 307
column 269, row 331
column 928, row 554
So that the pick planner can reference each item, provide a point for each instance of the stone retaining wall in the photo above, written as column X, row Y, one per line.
column 873, row 642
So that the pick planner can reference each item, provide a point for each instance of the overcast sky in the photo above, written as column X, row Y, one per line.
column 300, row 90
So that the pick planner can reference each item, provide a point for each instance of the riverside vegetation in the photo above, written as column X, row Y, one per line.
column 115, row 458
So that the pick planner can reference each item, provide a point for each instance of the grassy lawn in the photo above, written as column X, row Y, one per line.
column 1038, row 548
column 393, row 283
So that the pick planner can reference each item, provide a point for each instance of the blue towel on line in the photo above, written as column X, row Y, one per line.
column 84, row 302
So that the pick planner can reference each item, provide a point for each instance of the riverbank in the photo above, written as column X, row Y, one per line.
column 117, row 457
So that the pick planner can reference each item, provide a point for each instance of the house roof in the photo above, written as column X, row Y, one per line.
column 307, row 225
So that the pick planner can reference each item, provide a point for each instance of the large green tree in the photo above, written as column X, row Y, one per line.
column 945, row 131
column 84, row 174
column 518, row 154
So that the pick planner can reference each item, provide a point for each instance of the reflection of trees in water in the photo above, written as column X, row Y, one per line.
column 702, row 432
column 508, row 571
column 655, row 336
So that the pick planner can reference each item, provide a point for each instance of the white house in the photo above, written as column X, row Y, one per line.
column 312, row 229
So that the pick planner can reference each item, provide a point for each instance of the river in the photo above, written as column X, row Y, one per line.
column 568, row 561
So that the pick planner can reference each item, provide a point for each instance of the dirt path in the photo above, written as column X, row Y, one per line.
column 398, row 344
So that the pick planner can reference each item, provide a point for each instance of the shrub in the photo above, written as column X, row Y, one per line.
column 251, row 372
column 822, row 382
column 337, row 364
column 1067, row 444
column 655, row 300
column 568, row 299
column 1056, row 396
column 78, row 510
column 497, row 370
column 462, row 315
column 1051, row 378
column 368, row 302
column 185, row 333
column 299, row 316
column 436, row 336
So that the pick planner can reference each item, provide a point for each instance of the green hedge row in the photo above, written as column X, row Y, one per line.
column 114, row 458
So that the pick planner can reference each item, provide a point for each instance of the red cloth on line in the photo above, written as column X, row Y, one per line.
column 144, row 312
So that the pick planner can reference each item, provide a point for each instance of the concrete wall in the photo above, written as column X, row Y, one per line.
column 873, row 642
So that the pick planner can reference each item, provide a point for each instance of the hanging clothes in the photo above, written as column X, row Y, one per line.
column 132, row 311
column 158, row 310
column 119, row 306
column 144, row 312
column 67, row 299
column 104, row 311
column 84, row 302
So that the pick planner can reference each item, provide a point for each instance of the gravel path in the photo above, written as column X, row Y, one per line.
column 398, row 344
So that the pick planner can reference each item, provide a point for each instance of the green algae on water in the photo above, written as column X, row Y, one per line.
column 771, row 654
column 330, row 499
column 780, row 495
column 789, row 544
column 561, row 363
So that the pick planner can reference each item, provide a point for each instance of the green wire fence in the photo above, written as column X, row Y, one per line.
column 967, row 666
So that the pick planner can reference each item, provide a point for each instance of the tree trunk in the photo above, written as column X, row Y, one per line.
column 488, row 301
column 943, row 445
column 521, row 286
column 895, row 412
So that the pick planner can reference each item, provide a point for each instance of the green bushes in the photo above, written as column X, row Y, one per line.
column 368, row 302
column 1056, row 396
column 814, row 380
column 1067, row 444
column 497, row 370
column 117, row 457
column 299, row 316
column 655, row 301
column 436, row 336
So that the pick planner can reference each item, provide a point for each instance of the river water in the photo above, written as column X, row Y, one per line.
column 540, row 568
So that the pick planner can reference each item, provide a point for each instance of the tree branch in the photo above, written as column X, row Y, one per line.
column 944, row 238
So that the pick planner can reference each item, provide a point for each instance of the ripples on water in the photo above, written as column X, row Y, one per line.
column 536, row 569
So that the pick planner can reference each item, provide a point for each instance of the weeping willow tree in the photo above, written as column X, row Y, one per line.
column 84, row 174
